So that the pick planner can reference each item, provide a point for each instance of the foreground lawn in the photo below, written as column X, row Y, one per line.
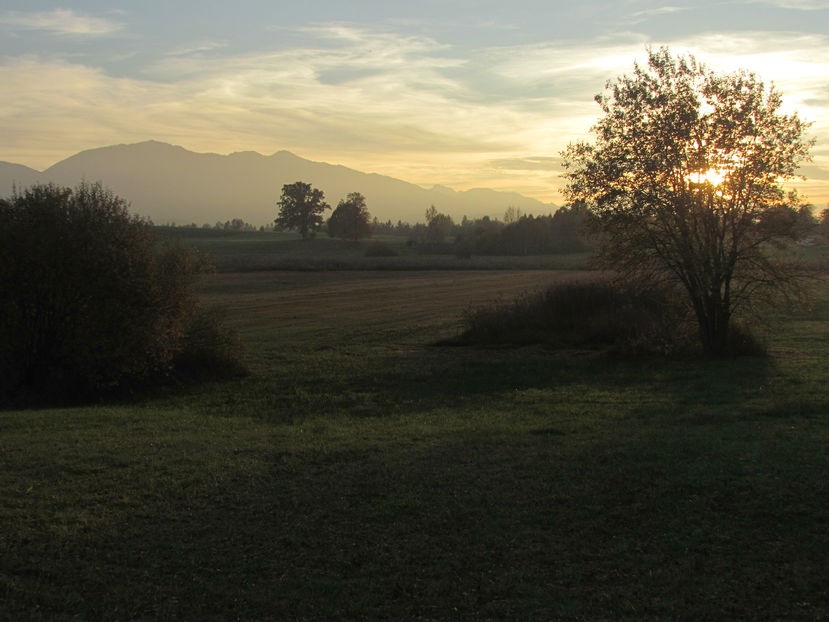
column 361, row 473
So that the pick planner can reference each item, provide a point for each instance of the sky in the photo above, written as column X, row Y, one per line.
column 462, row 93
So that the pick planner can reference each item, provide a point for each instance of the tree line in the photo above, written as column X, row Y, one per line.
column 301, row 209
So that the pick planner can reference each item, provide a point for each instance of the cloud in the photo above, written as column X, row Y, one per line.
column 539, row 163
column 59, row 21
column 814, row 172
column 663, row 10
column 645, row 14
column 802, row 5
column 198, row 47
column 353, row 89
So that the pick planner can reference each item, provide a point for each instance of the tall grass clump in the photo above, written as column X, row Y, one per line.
column 92, row 303
column 624, row 316
column 209, row 349
column 380, row 249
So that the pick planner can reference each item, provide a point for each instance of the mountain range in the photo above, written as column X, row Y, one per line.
column 168, row 183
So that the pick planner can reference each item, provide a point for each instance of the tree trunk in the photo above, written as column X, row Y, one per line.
column 715, row 325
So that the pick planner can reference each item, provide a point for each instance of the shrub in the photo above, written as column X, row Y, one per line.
column 92, row 303
column 628, row 317
column 208, row 348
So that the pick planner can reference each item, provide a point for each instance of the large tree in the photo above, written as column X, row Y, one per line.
column 685, row 169
column 300, row 209
column 350, row 220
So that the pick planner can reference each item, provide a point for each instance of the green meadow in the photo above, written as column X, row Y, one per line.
column 361, row 472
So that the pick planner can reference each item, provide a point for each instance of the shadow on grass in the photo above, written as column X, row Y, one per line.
column 378, row 384
column 467, row 526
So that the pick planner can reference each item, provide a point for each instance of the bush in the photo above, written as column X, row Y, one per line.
column 208, row 348
column 92, row 303
column 630, row 318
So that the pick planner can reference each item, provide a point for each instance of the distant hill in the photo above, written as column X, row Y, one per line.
column 169, row 183
column 12, row 175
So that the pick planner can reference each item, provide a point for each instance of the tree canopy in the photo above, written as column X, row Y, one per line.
column 438, row 225
column 300, row 209
column 686, row 168
column 350, row 220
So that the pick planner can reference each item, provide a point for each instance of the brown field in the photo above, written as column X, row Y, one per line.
column 304, row 306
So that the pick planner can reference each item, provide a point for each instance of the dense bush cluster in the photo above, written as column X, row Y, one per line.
column 91, row 302
column 561, row 232
column 628, row 317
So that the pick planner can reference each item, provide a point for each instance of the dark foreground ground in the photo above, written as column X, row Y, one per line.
column 361, row 473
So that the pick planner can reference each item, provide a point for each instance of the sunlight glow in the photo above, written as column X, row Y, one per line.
column 712, row 176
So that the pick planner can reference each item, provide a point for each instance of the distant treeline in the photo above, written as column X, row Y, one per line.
column 237, row 224
column 517, row 234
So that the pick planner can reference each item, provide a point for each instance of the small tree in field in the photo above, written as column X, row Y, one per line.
column 681, row 181
column 438, row 225
column 350, row 220
column 300, row 209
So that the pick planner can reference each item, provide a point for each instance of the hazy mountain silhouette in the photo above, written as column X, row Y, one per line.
column 16, row 175
column 170, row 183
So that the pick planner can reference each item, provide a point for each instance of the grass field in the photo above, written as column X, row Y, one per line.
column 362, row 473
column 269, row 250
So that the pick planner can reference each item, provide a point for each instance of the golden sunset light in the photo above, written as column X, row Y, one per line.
column 713, row 176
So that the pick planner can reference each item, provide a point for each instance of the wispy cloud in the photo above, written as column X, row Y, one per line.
column 645, row 14
column 198, row 47
column 538, row 163
column 663, row 10
column 59, row 21
column 801, row 5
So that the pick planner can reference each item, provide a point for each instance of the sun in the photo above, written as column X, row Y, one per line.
column 712, row 176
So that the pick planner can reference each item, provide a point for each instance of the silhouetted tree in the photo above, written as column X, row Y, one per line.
column 685, row 164
column 300, row 209
column 350, row 219
column 438, row 225
column 431, row 213
column 512, row 214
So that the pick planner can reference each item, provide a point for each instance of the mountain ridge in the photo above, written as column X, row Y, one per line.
column 169, row 183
